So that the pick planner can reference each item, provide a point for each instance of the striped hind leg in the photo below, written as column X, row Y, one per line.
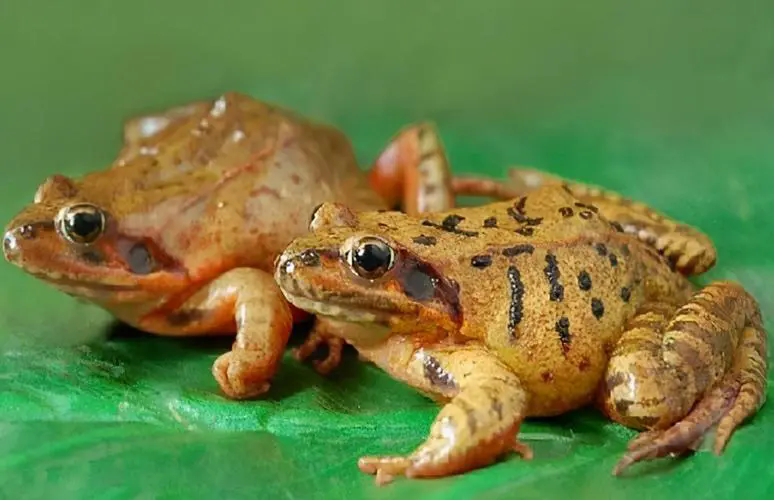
column 688, row 249
column 677, row 373
column 412, row 172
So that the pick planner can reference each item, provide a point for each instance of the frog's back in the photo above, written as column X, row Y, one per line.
column 230, row 182
column 548, row 283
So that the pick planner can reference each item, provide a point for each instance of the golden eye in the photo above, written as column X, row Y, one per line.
column 371, row 258
column 82, row 223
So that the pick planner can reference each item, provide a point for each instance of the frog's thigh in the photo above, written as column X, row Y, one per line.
column 691, row 250
column 413, row 171
column 479, row 423
column 681, row 373
column 264, row 323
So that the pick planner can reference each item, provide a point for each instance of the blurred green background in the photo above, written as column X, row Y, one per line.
column 668, row 102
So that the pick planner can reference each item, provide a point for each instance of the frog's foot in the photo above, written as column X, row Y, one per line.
column 478, row 424
column 315, row 340
column 252, row 300
column 238, row 375
column 665, row 368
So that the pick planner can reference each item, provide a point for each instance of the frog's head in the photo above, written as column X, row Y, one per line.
column 358, row 268
column 70, row 238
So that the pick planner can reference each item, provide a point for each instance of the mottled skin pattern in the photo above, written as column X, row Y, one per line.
column 196, row 207
column 533, row 307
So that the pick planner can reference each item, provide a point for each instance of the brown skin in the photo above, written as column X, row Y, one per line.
column 182, row 230
column 534, row 307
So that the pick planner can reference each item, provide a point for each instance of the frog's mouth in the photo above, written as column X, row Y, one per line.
column 73, row 284
column 333, row 309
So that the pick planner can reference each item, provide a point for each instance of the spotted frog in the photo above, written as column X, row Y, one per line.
column 179, row 235
column 566, row 296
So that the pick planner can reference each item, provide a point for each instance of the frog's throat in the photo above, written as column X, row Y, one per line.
column 334, row 310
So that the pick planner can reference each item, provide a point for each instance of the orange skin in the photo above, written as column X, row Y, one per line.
column 562, row 297
column 196, row 207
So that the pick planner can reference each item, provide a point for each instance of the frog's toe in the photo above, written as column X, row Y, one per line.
column 687, row 434
column 239, row 376
column 310, row 345
column 384, row 468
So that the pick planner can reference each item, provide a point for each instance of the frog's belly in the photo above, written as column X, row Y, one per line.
column 557, row 385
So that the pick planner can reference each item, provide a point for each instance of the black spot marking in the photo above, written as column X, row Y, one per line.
column 552, row 273
column 584, row 205
column 481, row 261
column 618, row 227
column 625, row 294
column 140, row 260
column 452, row 221
column 519, row 205
column 563, row 329
column 449, row 224
column 585, row 214
column 490, row 222
column 184, row 317
column 523, row 219
column 309, row 258
column 584, row 281
column 436, row 375
column 92, row 256
column 525, row 231
column 518, row 250
column 597, row 308
column 425, row 240
column 601, row 249
column 566, row 212
column 516, row 312
column 566, row 187
column 613, row 259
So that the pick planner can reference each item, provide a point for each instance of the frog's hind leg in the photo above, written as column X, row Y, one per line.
column 413, row 171
column 486, row 404
column 678, row 373
column 688, row 249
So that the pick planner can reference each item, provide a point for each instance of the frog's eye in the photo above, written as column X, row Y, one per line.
column 82, row 223
column 371, row 258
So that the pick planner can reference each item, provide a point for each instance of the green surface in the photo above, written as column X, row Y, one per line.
column 672, row 103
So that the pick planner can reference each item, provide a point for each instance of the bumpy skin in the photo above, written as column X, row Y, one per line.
column 197, row 206
column 533, row 307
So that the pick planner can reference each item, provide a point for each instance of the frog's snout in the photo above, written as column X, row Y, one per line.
column 10, row 246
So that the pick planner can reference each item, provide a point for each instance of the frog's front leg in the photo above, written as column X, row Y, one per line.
column 486, row 404
column 321, row 334
column 250, row 300
column 677, row 373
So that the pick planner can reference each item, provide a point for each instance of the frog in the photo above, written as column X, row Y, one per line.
column 534, row 307
column 178, row 235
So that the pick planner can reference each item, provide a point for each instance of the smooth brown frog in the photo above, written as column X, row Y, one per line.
column 179, row 235
column 564, row 297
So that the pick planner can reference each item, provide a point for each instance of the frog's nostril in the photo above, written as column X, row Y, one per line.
column 10, row 246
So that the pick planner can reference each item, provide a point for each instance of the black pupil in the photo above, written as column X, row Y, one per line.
column 84, row 224
column 372, row 256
